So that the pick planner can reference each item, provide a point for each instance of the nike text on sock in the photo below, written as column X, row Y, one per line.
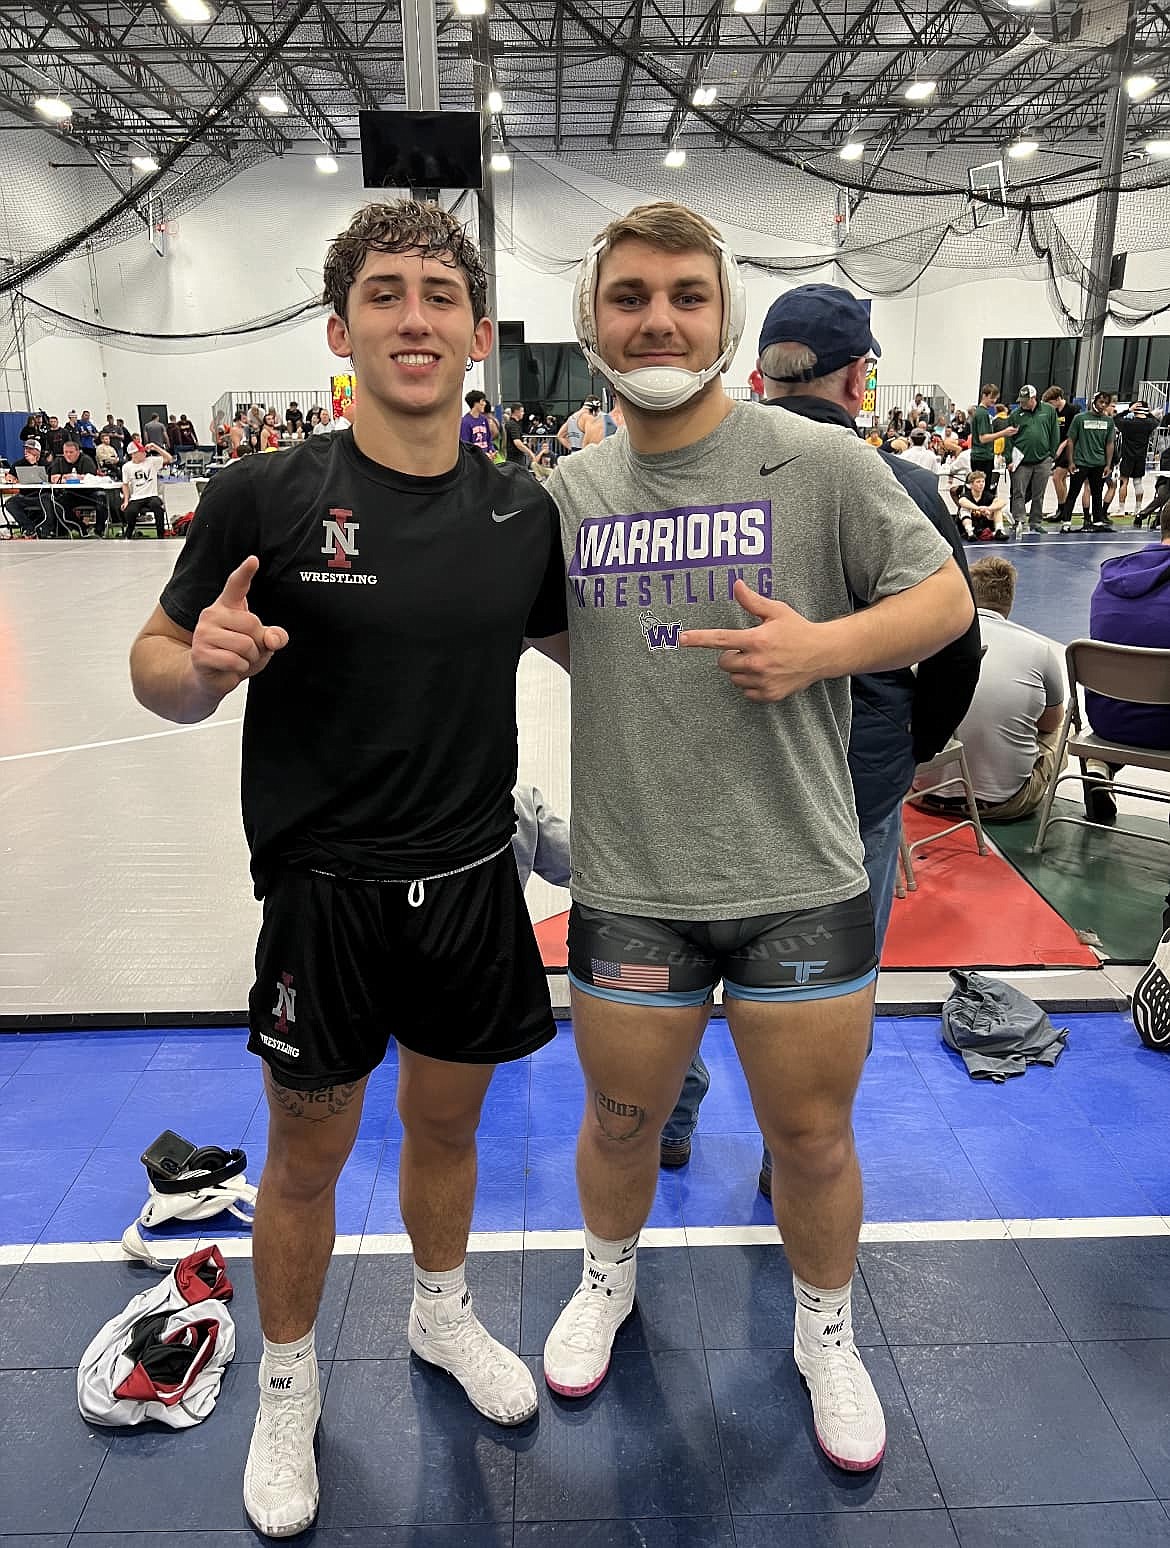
column 824, row 1314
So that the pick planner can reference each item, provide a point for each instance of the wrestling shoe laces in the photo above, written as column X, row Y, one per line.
column 280, row 1480
column 497, row 1382
column 847, row 1412
column 577, row 1350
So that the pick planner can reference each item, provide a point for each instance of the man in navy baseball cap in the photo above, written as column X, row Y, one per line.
column 825, row 319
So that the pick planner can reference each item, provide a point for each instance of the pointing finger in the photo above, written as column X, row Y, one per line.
column 235, row 589
column 714, row 639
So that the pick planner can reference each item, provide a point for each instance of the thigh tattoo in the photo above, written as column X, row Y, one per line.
column 315, row 1106
column 618, row 1120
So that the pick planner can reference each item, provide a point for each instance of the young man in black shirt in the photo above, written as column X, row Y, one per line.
column 1136, row 428
column 517, row 449
column 376, row 586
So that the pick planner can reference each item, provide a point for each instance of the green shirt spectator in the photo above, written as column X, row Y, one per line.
column 1091, row 434
column 1038, row 432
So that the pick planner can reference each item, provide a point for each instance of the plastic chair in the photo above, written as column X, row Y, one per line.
column 1134, row 674
column 952, row 753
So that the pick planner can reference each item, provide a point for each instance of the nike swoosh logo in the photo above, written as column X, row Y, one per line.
column 505, row 515
column 765, row 470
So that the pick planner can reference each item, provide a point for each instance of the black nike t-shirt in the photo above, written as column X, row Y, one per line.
column 381, row 742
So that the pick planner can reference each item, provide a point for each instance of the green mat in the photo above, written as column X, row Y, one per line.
column 1110, row 881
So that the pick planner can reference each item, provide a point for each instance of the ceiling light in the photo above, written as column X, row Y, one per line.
column 704, row 96
column 327, row 164
column 471, row 7
column 747, row 7
column 501, row 161
column 1023, row 147
column 495, row 103
column 53, row 108
column 272, row 102
column 852, row 150
column 675, row 157
column 918, row 91
column 189, row 10
column 1139, row 86
column 144, row 163
column 1023, row 5
column 1158, row 148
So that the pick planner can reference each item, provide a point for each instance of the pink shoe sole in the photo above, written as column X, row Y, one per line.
column 577, row 1391
column 842, row 1462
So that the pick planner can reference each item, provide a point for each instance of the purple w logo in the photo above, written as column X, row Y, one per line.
column 659, row 635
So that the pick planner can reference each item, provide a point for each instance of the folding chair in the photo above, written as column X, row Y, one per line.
column 952, row 753
column 1135, row 674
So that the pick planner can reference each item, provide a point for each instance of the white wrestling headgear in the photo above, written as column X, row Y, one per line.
column 658, row 388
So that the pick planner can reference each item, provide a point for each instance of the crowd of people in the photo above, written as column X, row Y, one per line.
column 68, row 471
column 998, row 461
column 257, row 428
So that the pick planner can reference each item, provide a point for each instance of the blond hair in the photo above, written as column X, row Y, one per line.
column 671, row 227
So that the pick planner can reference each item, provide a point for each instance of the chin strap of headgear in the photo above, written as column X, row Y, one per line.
column 658, row 388
column 211, row 1182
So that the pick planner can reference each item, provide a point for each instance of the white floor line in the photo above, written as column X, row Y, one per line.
column 119, row 741
column 1087, row 1228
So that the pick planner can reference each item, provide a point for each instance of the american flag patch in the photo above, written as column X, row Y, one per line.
column 626, row 975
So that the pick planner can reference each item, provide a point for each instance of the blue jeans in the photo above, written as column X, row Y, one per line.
column 880, row 840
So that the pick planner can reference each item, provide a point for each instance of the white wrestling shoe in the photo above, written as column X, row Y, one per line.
column 497, row 1382
column 847, row 1413
column 280, row 1479
column 577, row 1351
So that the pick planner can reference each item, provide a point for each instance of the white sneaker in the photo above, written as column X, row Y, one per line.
column 280, row 1479
column 847, row 1413
column 497, row 1382
column 577, row 1351
column 1151, row 999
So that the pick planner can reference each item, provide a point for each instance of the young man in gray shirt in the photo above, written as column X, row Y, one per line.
column 715, row 554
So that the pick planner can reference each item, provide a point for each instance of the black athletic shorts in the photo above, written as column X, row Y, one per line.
column 1132, row 464
column 343, row 966
column 814, row 954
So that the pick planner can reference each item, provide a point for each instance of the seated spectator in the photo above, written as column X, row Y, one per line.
column 1012, row 729
column 324, row 425
column 294, row 419
column 919, row 453
column 71, row 467
column 140, row 487
column 1159, row 505
column 106, row 454
column 1130, row 606
column 980, row 514
column 25, row 507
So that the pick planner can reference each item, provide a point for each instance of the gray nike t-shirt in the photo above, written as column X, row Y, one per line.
column 691, row 801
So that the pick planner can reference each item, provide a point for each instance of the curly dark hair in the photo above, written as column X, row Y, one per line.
column 402, row 227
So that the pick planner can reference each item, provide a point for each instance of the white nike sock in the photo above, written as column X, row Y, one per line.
column 431, row 1288
column 289, row 1370
column 617, row 1259
column 823, row 1317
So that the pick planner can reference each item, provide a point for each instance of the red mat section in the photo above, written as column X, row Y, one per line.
column 970, row 910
